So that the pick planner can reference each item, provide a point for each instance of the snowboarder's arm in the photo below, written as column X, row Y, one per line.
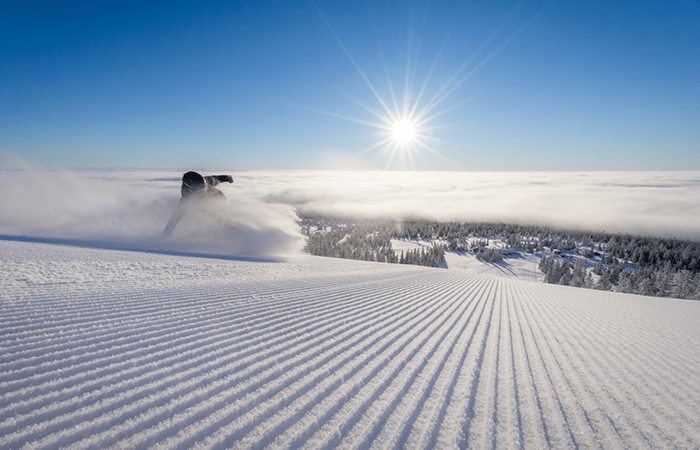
column 224, row 178
column 216, row 179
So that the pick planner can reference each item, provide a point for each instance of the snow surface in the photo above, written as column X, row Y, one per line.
column 520, row 265
column 103, row 348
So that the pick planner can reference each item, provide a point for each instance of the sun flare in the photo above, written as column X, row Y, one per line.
column 404, row 132
column 403, row 122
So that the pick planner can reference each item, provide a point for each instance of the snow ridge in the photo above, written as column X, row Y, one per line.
column 324, row 353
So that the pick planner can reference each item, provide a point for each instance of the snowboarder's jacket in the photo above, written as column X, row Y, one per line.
column 199, row 189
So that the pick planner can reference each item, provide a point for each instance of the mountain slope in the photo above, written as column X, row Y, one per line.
column 112, row 349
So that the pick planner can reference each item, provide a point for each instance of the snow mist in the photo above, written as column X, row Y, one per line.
column 129, row 210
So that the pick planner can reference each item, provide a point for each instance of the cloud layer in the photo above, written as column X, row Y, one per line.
column 655, row 203
column 129, row 209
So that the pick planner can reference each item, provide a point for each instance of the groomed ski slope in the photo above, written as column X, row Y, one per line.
column 134, row 350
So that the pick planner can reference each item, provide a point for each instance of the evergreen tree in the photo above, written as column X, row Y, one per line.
column 578, row 277
column 625, row 283
column 603, row 283
column 682, row 284
column 646, row 287
column 663, row 282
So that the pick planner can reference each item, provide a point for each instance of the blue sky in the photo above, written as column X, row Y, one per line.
column 506, row 85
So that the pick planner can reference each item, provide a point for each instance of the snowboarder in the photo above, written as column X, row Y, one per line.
column 196, row 190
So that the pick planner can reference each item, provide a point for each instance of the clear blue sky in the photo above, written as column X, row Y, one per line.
column 516, row 85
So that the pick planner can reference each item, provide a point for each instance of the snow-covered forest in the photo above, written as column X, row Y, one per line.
column 627, row 263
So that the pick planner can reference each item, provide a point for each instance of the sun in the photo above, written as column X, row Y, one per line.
column 405, row 123
column 404, row 132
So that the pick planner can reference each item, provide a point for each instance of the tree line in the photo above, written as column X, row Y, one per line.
column 644, row 265
column 367, row 240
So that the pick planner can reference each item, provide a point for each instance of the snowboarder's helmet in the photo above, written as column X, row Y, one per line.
column 192, row 182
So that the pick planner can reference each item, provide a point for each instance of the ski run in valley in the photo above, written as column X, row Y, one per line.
column 107, row 349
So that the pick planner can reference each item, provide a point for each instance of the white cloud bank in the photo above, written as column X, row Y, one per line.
column 129, row 209
column 655, row 203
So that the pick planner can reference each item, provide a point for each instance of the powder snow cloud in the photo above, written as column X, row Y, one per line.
column 129, row 210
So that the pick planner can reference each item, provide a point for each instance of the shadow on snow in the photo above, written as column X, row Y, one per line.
column 104, row 245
